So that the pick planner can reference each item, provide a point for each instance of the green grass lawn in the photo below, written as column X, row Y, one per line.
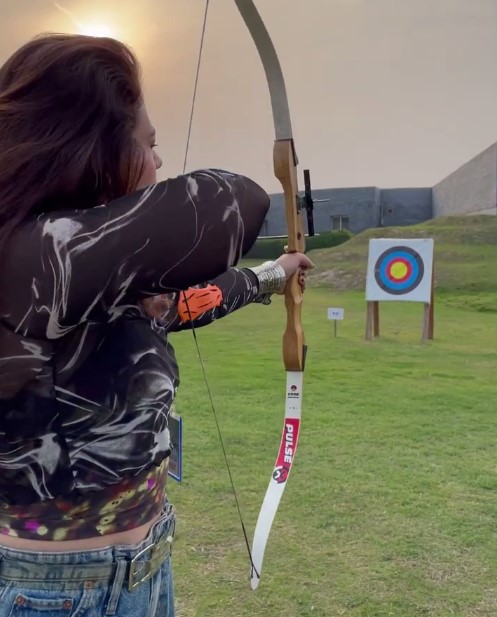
column 391, row 508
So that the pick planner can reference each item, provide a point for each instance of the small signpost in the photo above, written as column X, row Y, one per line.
column 336, row 314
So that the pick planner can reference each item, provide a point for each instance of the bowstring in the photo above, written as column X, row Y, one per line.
column 197, row 73
column 190, row 316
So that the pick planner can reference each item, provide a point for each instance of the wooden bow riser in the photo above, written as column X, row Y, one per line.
column 285, row 169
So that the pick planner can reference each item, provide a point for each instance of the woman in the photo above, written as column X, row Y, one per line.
column 89, row 243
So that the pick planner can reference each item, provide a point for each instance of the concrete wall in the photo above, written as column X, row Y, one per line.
column 365, row 208
column 471, row 189
column 360, row 205
column 405, row 206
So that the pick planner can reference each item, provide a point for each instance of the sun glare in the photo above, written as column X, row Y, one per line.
column 93, row 28
column 96, row 30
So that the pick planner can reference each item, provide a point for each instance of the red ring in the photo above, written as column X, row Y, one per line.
column 406, row 275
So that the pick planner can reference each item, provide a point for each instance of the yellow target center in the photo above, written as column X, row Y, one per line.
column 398, row 270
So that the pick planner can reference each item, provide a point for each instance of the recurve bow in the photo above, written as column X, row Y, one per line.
column 294, row 349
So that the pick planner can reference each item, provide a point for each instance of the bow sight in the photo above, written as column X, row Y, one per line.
column 306, row 202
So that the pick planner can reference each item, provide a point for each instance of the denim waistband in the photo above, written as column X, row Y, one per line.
column 91, row 567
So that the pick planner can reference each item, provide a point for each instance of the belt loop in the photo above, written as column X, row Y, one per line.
column 116, row 587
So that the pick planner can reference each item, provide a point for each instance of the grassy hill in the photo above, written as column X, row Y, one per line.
column 465, row 259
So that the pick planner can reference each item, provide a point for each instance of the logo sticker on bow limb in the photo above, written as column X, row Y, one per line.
column 293, row 392
column 287, row 450
column 280, row 474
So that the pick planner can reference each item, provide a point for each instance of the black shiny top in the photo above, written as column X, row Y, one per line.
column 86, row 377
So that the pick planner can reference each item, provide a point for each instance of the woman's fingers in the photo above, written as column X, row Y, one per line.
column 292, row 262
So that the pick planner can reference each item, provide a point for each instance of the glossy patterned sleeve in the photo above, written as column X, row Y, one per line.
column 206, row 303
column 65, row 268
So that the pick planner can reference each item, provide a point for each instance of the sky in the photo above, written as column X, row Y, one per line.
column 387, row 93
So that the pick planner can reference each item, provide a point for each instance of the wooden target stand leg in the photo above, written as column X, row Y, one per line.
column 372, row 320
column 429, row 315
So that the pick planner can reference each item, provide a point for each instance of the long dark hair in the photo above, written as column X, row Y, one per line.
column 68, row 107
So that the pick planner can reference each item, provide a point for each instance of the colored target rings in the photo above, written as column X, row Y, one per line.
column 399, row 270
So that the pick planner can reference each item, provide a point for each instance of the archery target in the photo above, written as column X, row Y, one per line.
column 399, row 270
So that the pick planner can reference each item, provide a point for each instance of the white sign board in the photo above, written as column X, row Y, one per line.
column 336, row 314
column 400, row 270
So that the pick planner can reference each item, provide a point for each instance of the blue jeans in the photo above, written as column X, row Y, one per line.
column 95, row 583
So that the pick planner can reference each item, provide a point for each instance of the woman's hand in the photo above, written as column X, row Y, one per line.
column 293, row 262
